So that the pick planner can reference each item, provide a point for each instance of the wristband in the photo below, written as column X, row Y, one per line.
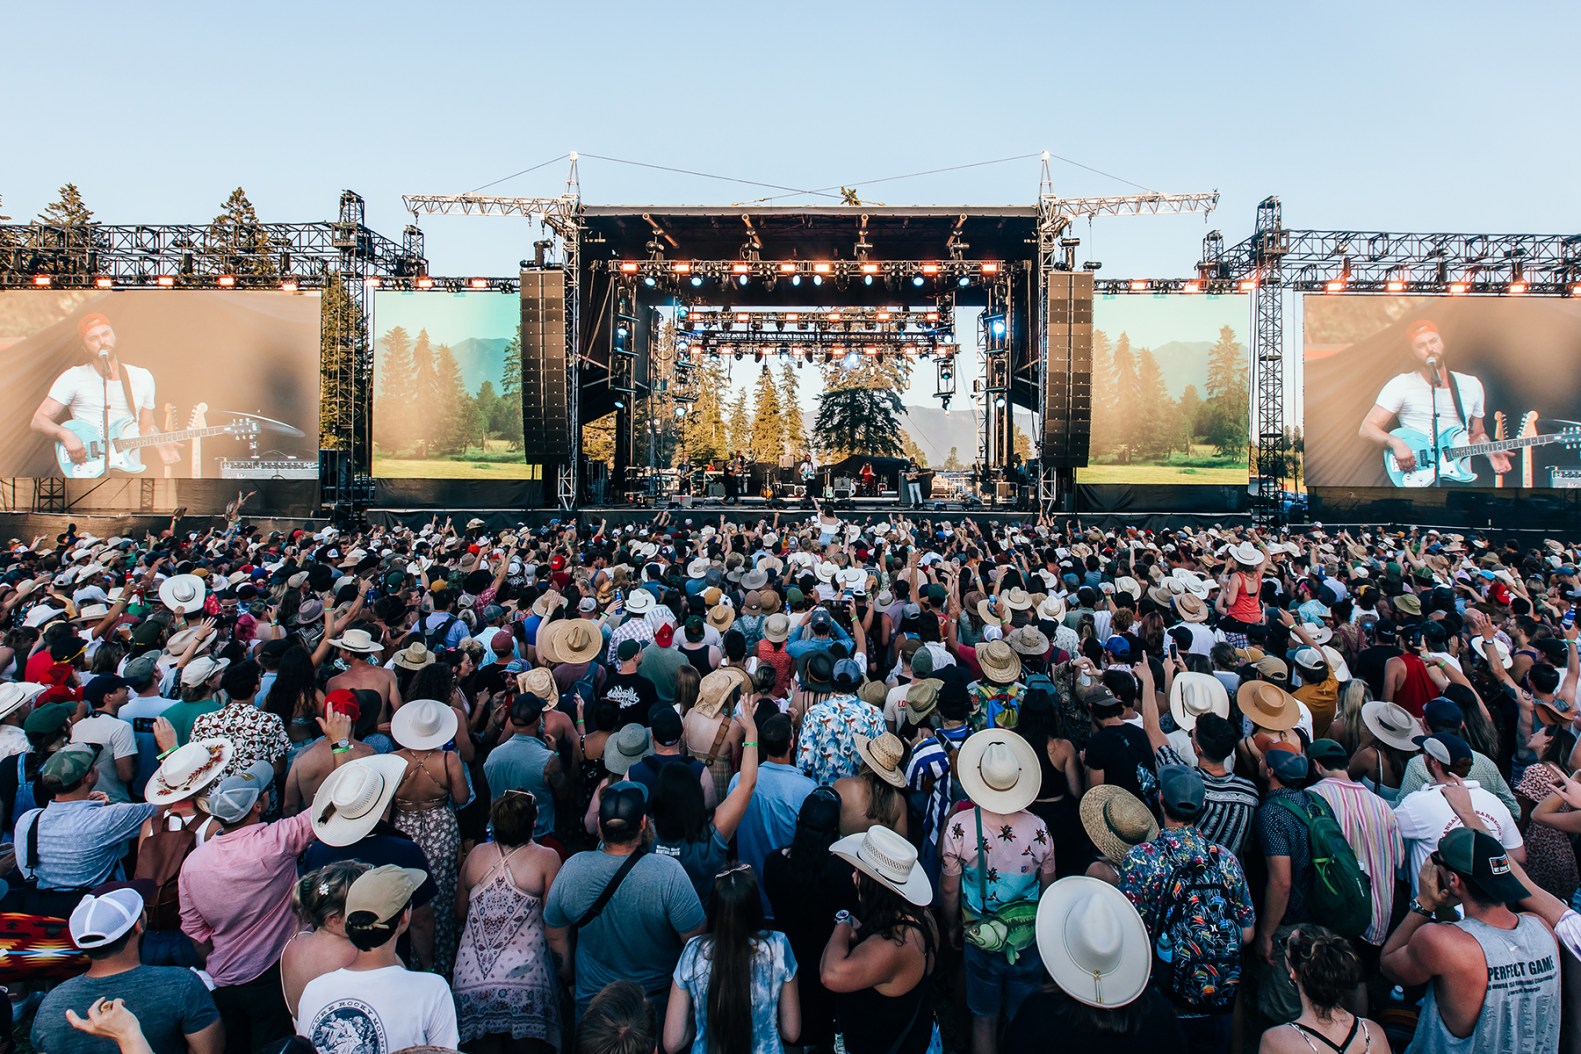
column 750, row 743
column 163, row 755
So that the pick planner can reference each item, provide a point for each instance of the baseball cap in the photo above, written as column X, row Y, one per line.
column 1181, row 789
column 621, row 807
column 384, row 891
column 628, row 649
column 501, row 642
column 666, row 725
column 139, row 673
column 234, row 796
column 664, row 636
column 1291, row 767
column 1329, row 753
column 1444, row 747
column 1477, row 857
column 201, row 669
column 1272, row 667
column 104, row 918
column 527, row 708
column 1442, row 715
column 102, row 685
column 819, row 618
column 1118, row 646
column 68, row 765
column 848, row 673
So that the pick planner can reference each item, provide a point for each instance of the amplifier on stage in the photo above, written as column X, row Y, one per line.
column 1565, row 478
column 267, row 468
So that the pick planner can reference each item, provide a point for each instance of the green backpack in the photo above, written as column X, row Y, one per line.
column 1341, row 895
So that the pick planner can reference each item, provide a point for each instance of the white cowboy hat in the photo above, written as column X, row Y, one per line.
column 826, row 571
column 698, row 568
column 999, row 771
column 1193, row 694
column 1093, row 942
column 1052, row 608
column 182, row 593
column 414, row 656
column 1246, row 554
column 351, row 801
column 883, row 754
column 1017, row 599
column 1320, row 634
column 357, row 640
column 188, row 770
column 16, row 694
column 1336, row 662
column 423, row 724
column 888, row 859
column 639, row 602
column 852, row 578
column 91, row 612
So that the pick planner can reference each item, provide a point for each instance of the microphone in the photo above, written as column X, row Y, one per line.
column 1433, row 361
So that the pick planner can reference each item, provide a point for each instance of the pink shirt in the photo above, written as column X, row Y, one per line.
column 1020, row 855
column 236, row 894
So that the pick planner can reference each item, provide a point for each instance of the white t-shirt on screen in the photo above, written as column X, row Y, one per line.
column 81, row 390
column 1410, row 398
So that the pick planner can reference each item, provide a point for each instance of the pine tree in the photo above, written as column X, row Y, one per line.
column 858, row 421
column 740, row 425
column 457, row 412
column 1106, row 416
column 953, row 462
column 703, row 428
column 344, row 356
column 70, row 232
column 1226, row 421
column 1127, row 395
column 68, row 211
column 790, row 409
column 1191, row 411
column 393, row 396
column 509, row 421
column 427, row 398
column 1155, row 410
column 911, row 449
column 237, row 243
column 768, row 428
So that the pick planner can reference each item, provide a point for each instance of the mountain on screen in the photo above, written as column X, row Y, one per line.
column 480, row 359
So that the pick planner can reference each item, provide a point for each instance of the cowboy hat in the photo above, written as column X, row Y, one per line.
column 639, row 602
column 1115, row 820
column 754, row 580
column 356, row 640
column 888, row 859
column 547, row 635
column 182, row 593
column 999, row 771
column 1093, row 942
column 1320, row 634
column 545, row 605
column 825, row 571
column 578, row 641
column 1129, row 586
column 715, row 689
column 721, row 617
column 999, row 661
column 1391, row 724
column 188, row 770
column 423, row 724
column 1017, row 599
column 883, row 755
column 776, row 628
column 1052, row 608
column 1336, row 662
column 922, row 698
column 1028, row 640
column 627, row 747
column 351, row 801
column 1191, row 608
column 698, row 568
column 1269, row 706
column 16, row 694
column 414, row 656
column 1246, row 554
column 1193, row 694
column 989, row 615
column 541, row 683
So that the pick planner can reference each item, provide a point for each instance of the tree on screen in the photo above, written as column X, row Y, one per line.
column 393, row 415
column 237, row 242
column 1225, row 422
column 457, row 422
column 508, row 421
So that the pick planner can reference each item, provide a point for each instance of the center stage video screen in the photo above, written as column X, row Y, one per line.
column 1377, row 368
column 447, row 386
column 198, row 384
column 1170, row 395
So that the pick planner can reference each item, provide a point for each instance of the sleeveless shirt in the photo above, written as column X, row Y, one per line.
column 1520, row 1011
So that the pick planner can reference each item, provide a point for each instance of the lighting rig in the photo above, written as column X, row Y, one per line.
column 656, row 271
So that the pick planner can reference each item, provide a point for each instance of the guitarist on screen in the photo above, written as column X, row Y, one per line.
column 81, row 389
column 1410, row 398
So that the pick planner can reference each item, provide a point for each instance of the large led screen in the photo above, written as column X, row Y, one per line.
column 447, row 386
column 189, row 384
column 1452, row 391
column 1170, row 396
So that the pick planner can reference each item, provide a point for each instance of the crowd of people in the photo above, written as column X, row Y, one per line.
column 886, row 787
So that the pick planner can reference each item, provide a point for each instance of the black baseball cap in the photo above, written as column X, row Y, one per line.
column 1477, row 857
column 102, row 685
column 621, row 808
column 1181, row 790
column 1329, row 753
column 1444, row 747
column 1442, row 715
column 666, row 725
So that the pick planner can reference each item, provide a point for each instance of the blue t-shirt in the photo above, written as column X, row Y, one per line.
column 773, row 964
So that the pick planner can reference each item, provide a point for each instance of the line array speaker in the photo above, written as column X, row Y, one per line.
column 546, row 420
column 1067, row 406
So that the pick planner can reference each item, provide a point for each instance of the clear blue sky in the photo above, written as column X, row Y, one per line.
column 1404, row 116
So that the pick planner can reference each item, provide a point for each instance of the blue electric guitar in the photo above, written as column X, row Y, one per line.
column 1454, row 454
column 125, row 443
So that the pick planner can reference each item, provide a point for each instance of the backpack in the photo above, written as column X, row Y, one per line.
column 584, row 687
column 1197, row 956
column 1341, row 897
column 159, row 860
column 435, row 638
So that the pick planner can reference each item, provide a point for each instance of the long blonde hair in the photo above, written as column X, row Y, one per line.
column 1352, row 698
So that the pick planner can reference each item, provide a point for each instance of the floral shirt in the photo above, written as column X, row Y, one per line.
column 258, row 735
column 1016, row 848
column 1150, row 872
column 826, row 748
column 995, row 705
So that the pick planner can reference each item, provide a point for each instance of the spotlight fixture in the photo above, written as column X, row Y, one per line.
column 917, row 281
column 697, row 279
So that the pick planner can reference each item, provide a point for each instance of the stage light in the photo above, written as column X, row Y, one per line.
column 425, row 283
column 999, row 403
column 742, row 316
column 822, row 268
column 930, row 268
column 697, row 279
column 681, row 267
column 817, row 279
column 41, row 280
column 372, row 283
column 288, row 286
column 1192, row 287
column 1517, row 288
column 867, row 280
column 479, row 283
column 1575, row 290
column 1248, row 284
column 963, row 281
column 990, row 268
column 1394, row 285
column 932, row 316
column 882, row 316
column 742, row 279
column 1457, row 288
column 740, row 268
column 104, row 283
column 619, row 405
column 999, row 327
column 1138, row 284
column 226, row 280
column 787, row 268
column 917, row 280
column 628, row 267
column 796, row 279
column 1334, row 285
column 834, row 316
column 167, row 280
column 851, row 361
column 680, row 411
column 649, row 281
column 792, row 316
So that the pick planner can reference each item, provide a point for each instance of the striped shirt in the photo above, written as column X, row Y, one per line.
column 1373, row 832
column 1229, row 801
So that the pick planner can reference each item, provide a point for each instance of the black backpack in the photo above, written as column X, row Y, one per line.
column 435, row 638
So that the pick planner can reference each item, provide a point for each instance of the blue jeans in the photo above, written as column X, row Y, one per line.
column 994, row 986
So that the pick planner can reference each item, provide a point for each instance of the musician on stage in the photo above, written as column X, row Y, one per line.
column 732, row 479
column 1410, row 398
column 913, row 484
column 868, row 488
column 81, row 390
column 683, row 477
column 808, row 473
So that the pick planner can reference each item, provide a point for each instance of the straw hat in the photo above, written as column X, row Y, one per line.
column 883, row 754
column 1193, row 694
column 1391, row 724
column 999, row 771
column 351, row 801
column 698, row 568
column 414, row 656
column 1028, row 640
column 1115, row 820
column 188, row 769
column 183, row 593
column 988, row 615
column 716, row 687
column 1191, row 608
column 1093, row 942
column 577, row 641
column 547, row 604
column 721, row 617
column 999, row 661
column 356, row 640
column 16, row 694
column 423, row 724
column 922, row 698
column 888, row 859
column 541, row 683
column 627, row 747
column 1268, row 706
column 768, row 601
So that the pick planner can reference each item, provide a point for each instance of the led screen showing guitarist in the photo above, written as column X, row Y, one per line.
column 1438, row 412
column 81, row 390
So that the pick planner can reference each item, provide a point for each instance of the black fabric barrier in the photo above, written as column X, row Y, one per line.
column 1461, row 507
column 505, row 494
column 1100, row 498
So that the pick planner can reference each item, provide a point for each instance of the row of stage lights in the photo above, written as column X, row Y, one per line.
column 1221, row 286
column 894, row 273
column 288, row 285
column 851, row 354
column 896, row 319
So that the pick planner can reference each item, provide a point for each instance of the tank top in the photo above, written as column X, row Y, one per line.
column 1521, row 1009
column 874, row 1023
column 1248, row 606
column 1417, row 688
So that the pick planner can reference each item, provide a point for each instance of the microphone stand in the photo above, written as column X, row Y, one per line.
column 104, row 434
column 1433, row 383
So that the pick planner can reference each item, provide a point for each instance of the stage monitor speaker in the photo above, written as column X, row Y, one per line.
column 546, row 382
column 1067, row 406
